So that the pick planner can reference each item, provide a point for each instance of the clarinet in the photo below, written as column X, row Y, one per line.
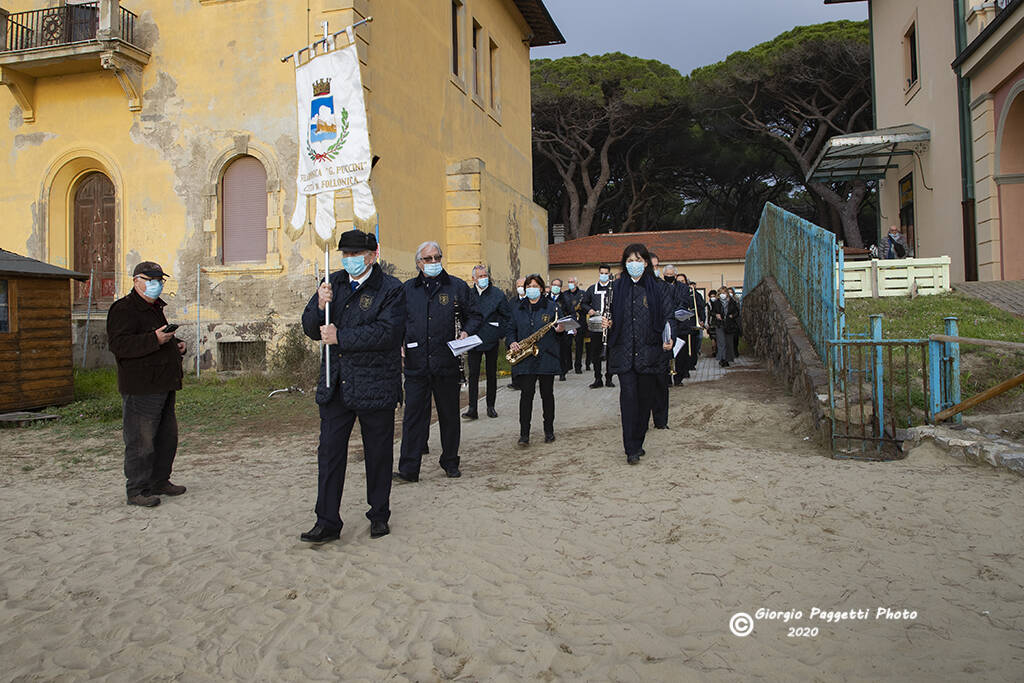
column 462, row 356
column 606, row 311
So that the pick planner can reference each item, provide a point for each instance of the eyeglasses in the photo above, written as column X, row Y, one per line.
column 430, row 259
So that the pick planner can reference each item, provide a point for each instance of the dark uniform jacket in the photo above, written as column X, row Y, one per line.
column 366, row 363
column 430, row 323
column 635, row 338
column 494, row 312
column 592, row 299
column 730, row 312
column 574, row 304
column 684, row 298
column 527, row 319
column 144, row 366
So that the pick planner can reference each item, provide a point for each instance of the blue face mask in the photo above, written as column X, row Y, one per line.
column 635, row 269
column 354, row 265
column 556, row 290
column 533, row 293
column 603, row 278
column 483, row 282
column 432, row 269
column 154, row 288
column 572, row 286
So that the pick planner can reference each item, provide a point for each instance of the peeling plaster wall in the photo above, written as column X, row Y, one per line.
column 215, row 88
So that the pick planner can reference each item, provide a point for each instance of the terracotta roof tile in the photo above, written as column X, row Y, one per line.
column 674, row 246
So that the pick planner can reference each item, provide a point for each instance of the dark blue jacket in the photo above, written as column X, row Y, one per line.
column 494, row 312
column 527, row 319
column 592, row 300
column 636, row 345
column 366, row 363
column 430, row 323
column 683, row 297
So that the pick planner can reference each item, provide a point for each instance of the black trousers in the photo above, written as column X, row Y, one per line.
column 596, row 349
column 696, row 339
column 150, row 430
column 378, row 431
column 578, row 340
column 416, row 420
column 491, row 358
column 527, row 388
column 659, row 411
column 637, row 395
column 564, row 352
column 682, row 365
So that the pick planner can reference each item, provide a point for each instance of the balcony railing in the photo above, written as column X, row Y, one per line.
column 60, row 26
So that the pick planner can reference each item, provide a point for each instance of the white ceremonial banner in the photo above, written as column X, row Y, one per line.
column 334, row 141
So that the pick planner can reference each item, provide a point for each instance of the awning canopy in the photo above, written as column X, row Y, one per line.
column 866, row 155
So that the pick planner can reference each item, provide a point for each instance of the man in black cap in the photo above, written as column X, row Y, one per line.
column 433, row 300
column 148, row 375
column 364, row 340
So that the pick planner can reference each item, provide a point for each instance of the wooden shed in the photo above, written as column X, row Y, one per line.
column 35, row 333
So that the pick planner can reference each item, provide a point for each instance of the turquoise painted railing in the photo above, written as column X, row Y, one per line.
column 806, row 262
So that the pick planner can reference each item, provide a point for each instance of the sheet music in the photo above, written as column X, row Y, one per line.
column 461, row 346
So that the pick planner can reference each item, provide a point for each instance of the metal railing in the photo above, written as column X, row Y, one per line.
column 61, row 25
column 806, row 262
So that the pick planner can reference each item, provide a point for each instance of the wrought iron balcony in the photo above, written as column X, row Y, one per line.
column 70, row 39
column 62, row 25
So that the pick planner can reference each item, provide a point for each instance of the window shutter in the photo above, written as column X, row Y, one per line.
column 244, row 211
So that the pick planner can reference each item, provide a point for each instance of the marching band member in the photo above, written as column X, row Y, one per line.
column 640, row 308
column 574, row 297
column 431, row 300
column 513, row 301
column 494, row 311
column 533, row 313
column 563, row 307
column 693, row 300
column 364, row 338
column 593, row 304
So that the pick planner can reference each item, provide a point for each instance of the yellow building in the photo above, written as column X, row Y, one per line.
column 165, row 131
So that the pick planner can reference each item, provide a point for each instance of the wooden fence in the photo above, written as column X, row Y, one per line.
column 896, row 277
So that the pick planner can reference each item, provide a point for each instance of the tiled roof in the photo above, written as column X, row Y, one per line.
column 545, row 32
column 675, row 246
column 16, row 264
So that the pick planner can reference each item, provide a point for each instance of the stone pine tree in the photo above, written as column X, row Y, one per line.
column 587, row 110
column 799, row 90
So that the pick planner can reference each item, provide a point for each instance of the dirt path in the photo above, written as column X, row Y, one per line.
column 555, row 562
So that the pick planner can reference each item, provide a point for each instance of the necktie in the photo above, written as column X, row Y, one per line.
column 354, row 285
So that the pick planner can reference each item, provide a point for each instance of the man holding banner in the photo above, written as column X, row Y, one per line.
column 364, row 341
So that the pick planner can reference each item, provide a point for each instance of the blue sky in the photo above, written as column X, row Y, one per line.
column 685, row 34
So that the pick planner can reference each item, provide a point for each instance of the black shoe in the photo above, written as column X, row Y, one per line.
column 470, row 415
column 318, row 535
column 426, row 449
column 524, row 441
column 597, row 384
column 588, row 368
column 633, row 459
column 549, row 437
column 379, row 528
column 408, row 478
column 661, row 426
column 610, row 384
column 143, row 500
column 561, row 378
column 453, row 473
column 166, row 488
column 491, row 412
column 578, row 371
column 721, row 363
column 641, row 453
column 725, row 364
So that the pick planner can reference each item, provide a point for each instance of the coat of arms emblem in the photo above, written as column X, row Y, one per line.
column 443, row 299
column 327, row 130
column 365, row 301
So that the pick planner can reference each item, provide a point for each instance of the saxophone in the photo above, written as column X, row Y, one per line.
column 528, row 347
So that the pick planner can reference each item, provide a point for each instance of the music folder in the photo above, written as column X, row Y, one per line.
column 461, row 346
column 569, row 323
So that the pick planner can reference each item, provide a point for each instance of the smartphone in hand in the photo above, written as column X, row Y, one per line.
column 170, row 328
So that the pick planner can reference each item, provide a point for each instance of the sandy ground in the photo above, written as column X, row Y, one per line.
column 558, row 562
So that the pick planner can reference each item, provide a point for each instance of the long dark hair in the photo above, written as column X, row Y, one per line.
column 641, row 251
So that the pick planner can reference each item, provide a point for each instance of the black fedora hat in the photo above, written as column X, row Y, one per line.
column 357, row 240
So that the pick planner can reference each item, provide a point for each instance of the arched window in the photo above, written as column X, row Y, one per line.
column 244, row 211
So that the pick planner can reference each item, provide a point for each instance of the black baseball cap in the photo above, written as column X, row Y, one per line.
column 149, row 269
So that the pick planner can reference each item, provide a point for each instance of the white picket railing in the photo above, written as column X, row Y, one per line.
column 896, row 277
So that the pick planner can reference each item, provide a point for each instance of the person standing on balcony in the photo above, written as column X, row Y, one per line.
column 895, row 243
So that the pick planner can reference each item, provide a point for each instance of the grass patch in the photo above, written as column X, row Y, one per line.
column 980, row 367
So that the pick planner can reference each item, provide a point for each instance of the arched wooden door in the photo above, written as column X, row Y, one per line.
column 94, row 237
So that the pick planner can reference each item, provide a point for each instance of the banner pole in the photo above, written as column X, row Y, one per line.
column 88, row 315
column 199, row 332
column 327, row 313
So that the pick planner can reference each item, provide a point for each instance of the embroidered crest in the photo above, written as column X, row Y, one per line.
column 545, row 318
column 443, row 299
column 365, row 301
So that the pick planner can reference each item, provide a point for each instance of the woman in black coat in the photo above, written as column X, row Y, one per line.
column 533, row 312
column 726, row 315
column 641, row 306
